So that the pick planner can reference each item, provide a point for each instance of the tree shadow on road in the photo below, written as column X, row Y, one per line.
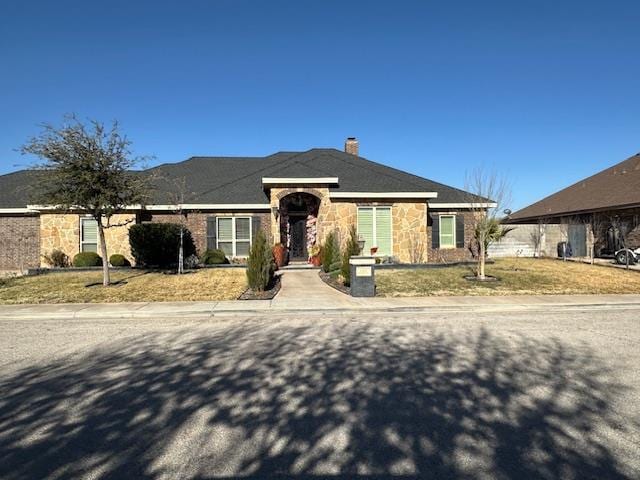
column 348, row 399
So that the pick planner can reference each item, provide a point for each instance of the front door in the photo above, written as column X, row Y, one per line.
column 298, row 238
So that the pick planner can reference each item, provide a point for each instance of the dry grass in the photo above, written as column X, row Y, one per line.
column 524, row 276
column 134, row 286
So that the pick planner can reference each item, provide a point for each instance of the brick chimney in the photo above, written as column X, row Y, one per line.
column 351, row 145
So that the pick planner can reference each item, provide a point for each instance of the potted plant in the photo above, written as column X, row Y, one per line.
column 279, row 254
column 314, row 253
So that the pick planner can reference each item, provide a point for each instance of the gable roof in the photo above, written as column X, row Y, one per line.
column 613, row 188
column 236, row 180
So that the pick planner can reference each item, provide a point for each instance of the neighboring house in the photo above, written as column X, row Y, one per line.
column 297, row 198
column 610, row 200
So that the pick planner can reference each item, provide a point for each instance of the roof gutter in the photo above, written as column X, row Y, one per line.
column 383, row 194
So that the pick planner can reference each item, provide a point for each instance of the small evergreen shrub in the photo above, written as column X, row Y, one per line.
column 214, row 257
column 57, row 259
column 87, row 259
column 118, row 260
column 260, row 265
column 191, row 262
column 331, row 252
column 351, row 248
column 157, row 244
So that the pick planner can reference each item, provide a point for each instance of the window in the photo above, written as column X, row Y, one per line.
column 374, row 227
column 234, row 236
column 447, row 231
column 88, row 235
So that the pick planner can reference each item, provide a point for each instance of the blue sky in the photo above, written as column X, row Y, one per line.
column 545, row 91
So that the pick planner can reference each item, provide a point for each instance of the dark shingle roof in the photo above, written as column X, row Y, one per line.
column 15, row 188
column 615, row 187
column 216, row 180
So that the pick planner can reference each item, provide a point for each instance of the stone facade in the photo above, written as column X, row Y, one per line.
column 409, row 220
column 61, row 231
column 19, row 242
column 411, row 228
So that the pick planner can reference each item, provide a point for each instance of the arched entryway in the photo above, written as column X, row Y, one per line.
column 298, row 224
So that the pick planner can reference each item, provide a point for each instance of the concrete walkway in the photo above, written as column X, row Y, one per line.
column 301, row 288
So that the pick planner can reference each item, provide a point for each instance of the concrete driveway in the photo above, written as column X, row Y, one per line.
column 450, row 395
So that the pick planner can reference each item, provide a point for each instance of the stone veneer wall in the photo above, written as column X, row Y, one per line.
column 409, row 221
column 61, row 231
column 19, row 242
column 196, row 222
column 445, row 255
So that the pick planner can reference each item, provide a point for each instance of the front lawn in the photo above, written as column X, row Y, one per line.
column 134, row 286
column 523, row 276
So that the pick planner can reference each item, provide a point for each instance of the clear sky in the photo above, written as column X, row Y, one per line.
column 545, row 91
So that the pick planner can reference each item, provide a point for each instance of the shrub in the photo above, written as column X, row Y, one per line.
column 331, row 252
column 214, row 257
column 351, row 248
column 57, row 258
column 87, row 259
column 260, row 263
column 192, row 261
column 157, row 244
column 118, row 260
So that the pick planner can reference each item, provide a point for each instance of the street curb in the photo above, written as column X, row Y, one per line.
column 87, row 314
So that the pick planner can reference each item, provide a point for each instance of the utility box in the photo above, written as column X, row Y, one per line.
column 363, row 279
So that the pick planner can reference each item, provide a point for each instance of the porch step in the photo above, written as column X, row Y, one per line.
column 299, row 266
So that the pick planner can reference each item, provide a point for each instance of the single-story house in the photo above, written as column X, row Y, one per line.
column 607, row 204
column 297, row 198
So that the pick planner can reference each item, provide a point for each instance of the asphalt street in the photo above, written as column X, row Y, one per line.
column 448, row 395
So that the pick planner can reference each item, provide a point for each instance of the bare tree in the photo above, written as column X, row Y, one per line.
column 538, row 235
column 416, row 244
column 488, row 195
column 88, row 168
column 179, row 197
column 594, row 224
column 620, row 233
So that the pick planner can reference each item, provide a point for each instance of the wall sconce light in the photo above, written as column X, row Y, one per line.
column 276, row 212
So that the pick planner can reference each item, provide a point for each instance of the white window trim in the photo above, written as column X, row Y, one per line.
column 448, row 215
column 82, row 242
column 375, row 227
column 233, row 234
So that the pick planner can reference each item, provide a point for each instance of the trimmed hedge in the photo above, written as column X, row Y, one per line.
column 87, row 259
column 157, row 244
column 118, row 260
column 214, row 257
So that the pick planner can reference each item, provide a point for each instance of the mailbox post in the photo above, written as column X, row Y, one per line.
column 363, row 280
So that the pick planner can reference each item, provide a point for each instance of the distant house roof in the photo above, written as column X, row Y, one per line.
column 238, row 180
column 615, row 188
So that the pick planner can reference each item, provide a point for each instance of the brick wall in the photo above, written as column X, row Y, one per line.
column 445, row 255
column 197, row 223
column 19, row 242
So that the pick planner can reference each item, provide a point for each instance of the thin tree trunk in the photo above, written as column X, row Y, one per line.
column 181, row 252
column 481, row 275
column 103, row 251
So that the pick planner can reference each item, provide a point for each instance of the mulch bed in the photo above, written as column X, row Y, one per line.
column 487, row 278
column 268, row 294
column 332, row 282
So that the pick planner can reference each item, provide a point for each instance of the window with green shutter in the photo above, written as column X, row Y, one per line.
column 374, row 227
column 88, row 235
column 447, row 231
